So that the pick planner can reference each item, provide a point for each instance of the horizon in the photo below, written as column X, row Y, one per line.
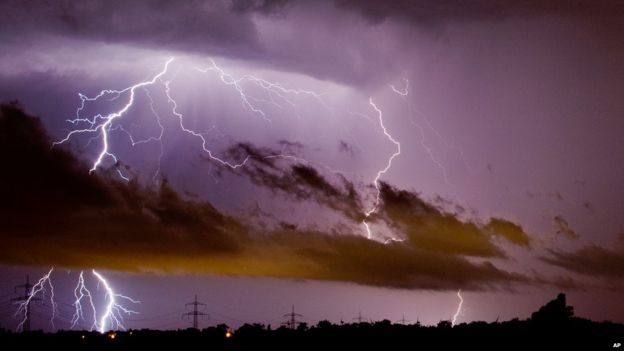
column 553, row 311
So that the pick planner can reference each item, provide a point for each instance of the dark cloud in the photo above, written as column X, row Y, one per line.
column 266, row 7
column 509, row 230
column 55, row 213
column 428, row 227
column 297, row 180
column 50, row 203
column 444, row 204
column 427, row 13
column 422, row 224
column 216, row 28
column 231, row 28
column 592, row 260
column 354, row 258
column 207, row 26
column 564, row 228
column 48, row 172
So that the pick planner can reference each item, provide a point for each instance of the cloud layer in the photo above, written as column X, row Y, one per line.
column 338, row 31
column 592, row 260
column 55, row 213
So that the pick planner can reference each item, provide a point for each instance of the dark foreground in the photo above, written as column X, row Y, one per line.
column 576, row 334
column 553, row 327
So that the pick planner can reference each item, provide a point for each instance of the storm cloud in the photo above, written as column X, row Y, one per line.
column 55, row 213
column 430, row 13
column 245, row 30
column 187, row 25
column 593, row 260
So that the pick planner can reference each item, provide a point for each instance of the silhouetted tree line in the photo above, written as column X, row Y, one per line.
column 552, row 327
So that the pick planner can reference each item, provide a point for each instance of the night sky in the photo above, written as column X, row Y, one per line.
column 340, row 156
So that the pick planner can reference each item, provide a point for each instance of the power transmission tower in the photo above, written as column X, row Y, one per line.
column 27, row 289
column 292, row 322
column 403, row 320
column 195, row 313
column 359, row 318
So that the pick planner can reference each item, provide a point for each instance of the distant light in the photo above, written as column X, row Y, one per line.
column 83, row 337
column 228, row 334
column 112, row 336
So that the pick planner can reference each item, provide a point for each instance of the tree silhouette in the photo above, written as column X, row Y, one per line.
column 444, row 324
column 554, row 311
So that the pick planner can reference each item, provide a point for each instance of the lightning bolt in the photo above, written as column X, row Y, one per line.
column 459, row 306
column 383, row 171
column 157, row 138
column 276, row 93
column 227, row 79
column 111, row 317
column 278, row 96
column 174, row 111
column 113, row 311
column 80, row 292
column 102, row 125
column 404, row 93
column 40, row 287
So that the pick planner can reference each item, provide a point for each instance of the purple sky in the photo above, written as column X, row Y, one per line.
column 508, row 184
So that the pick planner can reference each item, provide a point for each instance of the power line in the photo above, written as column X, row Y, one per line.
column 195, row 313
column 158, row 317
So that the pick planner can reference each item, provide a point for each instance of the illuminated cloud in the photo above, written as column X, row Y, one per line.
column 54, row 213
column 419, row 222
column 427, row 227
column 509, row 230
